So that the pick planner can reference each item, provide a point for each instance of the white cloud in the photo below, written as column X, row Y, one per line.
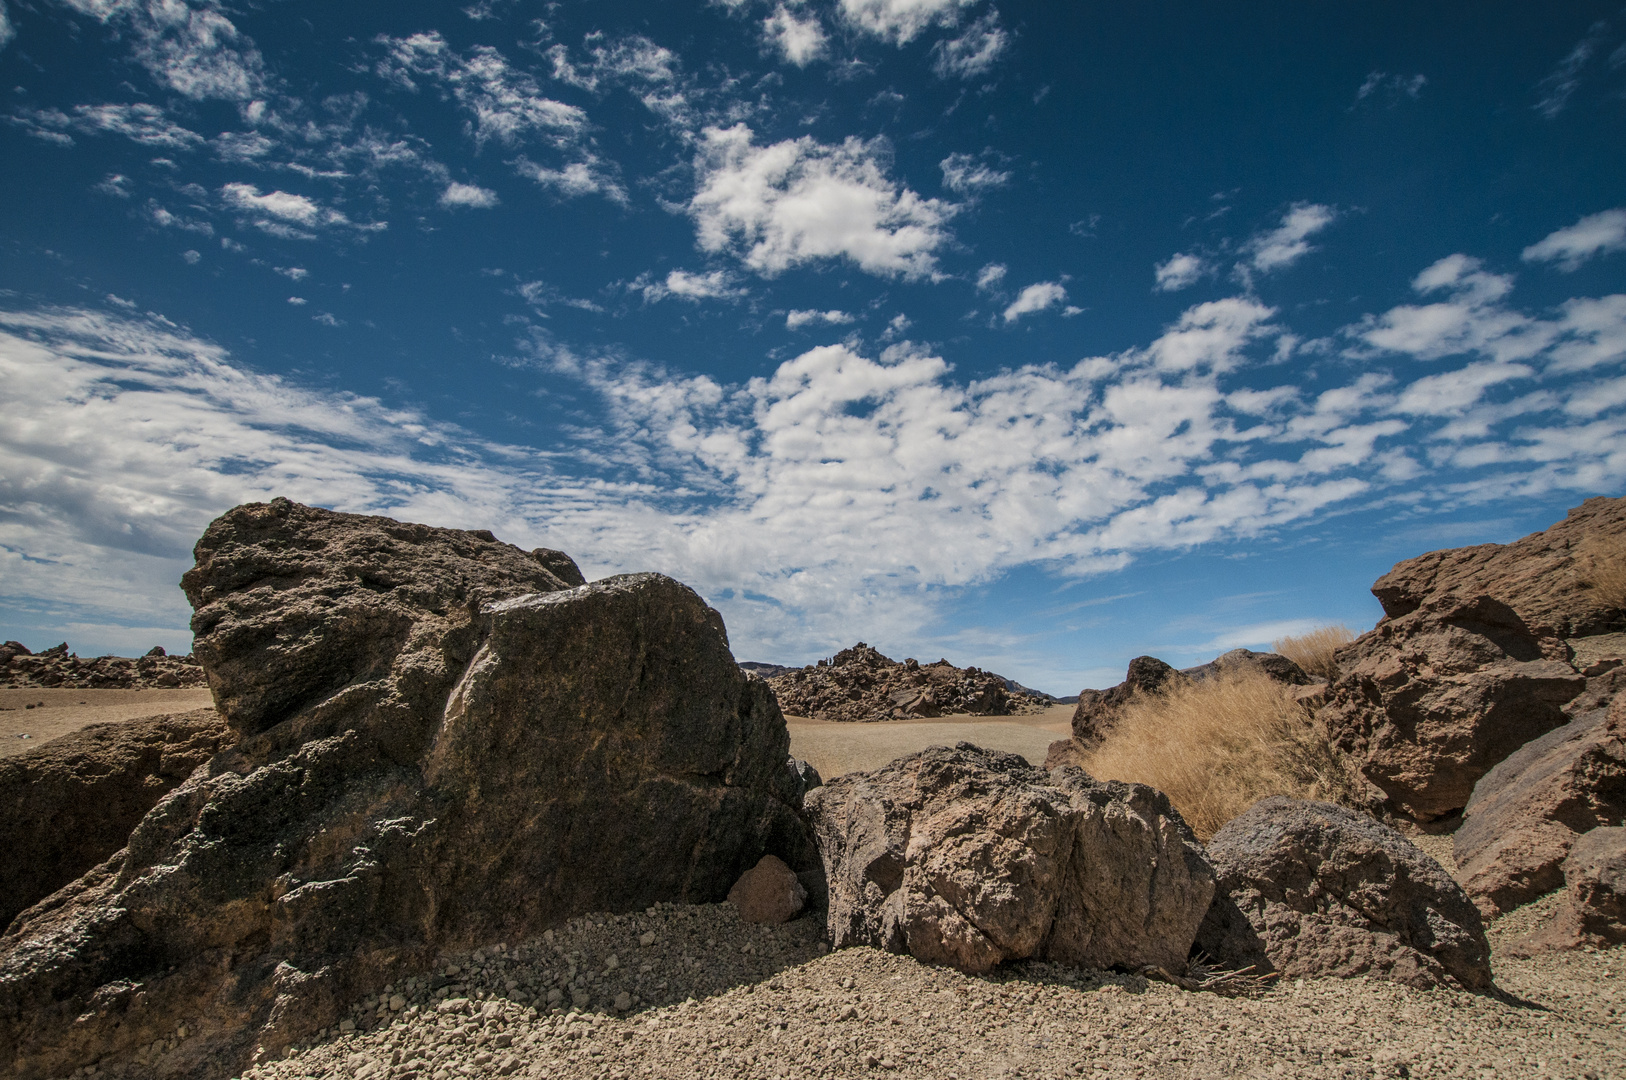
column 1181, row 271
column 472, row 195
column 990, row 277
column 297, row 301
column 191, row 257
column 901, row 21
column 7, row 30
column 281, row 213
column 795, row 320
column 190, row 47
column 141, row 123
column 586, row 177
column 115, row 184
column 1392, row 86
column 1560, row 84
column 800, row 201
column 1569, row 247
column 688, row 286
column 799, row 41
column 1288, row 242
column 963, row 174
column 1036, row 297
column 293, row 273
column 840, row 490
column 973, row 53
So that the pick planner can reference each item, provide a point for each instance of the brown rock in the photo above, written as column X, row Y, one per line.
column 1312, row 889
column 860, row 684
column 71, row 803
column 1593, row 913
column 1470, row 661
column 1527, row 812
column 971, row 857
column 768, row 893
column 57, row 667
column 1273, row 666
column 443, row 747
column 1097, row 710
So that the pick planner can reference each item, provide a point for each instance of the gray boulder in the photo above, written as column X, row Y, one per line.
column 442, row 747
column 1312, row 889
column 1526, row 812
column 971, row 857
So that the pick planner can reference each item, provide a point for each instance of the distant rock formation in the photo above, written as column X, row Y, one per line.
column 860, row 684
column 972, row 857
column 439, row 744
column 1475, row 656
column 69, row 804
column 1310, row 889
column 1098, row 710
column 57, row 667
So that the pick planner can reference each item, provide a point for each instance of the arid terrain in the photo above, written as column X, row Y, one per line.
column 717, row 997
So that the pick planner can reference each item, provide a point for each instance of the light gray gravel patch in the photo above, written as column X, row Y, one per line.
column 707, row 1007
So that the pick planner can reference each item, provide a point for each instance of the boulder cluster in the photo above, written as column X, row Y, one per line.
column 429, row 743
column 860, row 684
column 57, row 667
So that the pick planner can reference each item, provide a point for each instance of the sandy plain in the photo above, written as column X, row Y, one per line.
column 59, row 712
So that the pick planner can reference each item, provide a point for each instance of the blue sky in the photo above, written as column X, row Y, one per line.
column 1037, row 336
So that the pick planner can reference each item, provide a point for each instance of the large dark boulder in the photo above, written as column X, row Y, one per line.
column 1526, row 813
column 69, row 804
column 1098, row 710
column 442, row 747
column 1311, row 889
column 972, row 857
column 1471, row 660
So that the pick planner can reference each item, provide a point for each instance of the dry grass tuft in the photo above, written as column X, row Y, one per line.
column 1313, row 651
column 1218, row 746
column 1604, row 568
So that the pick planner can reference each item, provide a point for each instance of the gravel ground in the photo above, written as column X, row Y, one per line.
column 834, row 748
column 712, row 997
column 32, row 717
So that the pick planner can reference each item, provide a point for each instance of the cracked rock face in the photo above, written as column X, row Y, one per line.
column 971, row 857
column 441, row 745
column 1471, row 660
column 1311, row 889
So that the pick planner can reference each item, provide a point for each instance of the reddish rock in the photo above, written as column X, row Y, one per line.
column 1527, row 812
column 861, row 684
column 769, row 893
column 971, row 857
column 1312, row 889
column 1593, row 911
column 71, row 803
column 1098, row 710
column 1470, row 661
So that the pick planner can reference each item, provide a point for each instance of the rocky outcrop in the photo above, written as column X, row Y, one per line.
column 1471, row 660
column 69, row 804
column 1526, row 813
column 972, row 857
column 1273, row 666
column 1097, row 710
column 1312, row 889
column 860, row 684
column 1592, row 912
column 57, row 667
column 441, row 746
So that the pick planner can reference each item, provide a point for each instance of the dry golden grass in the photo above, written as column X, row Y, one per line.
column 1313, row 651
column 1604, row 568
column 1218, row 746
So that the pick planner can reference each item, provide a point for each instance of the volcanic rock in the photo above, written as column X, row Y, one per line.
column 860, row 684
column 1098, row 710
column 1273, row 666
column 433, row 756
column 768, row 893
column 1312, row 889
column 57, row 667
column 971, row 857
column 1471, row 659
column 69, row 804
column 1526, row 813
column 1595, row 879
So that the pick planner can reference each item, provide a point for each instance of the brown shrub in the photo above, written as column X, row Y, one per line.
column 1604, row 568
column 1313, row 651
column 1217, row 746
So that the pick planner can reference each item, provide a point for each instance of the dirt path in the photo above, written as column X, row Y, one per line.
column 834, row 748
column 66, row 711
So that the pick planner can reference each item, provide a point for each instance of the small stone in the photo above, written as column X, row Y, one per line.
column 768, row 893
column 397, row 1003
column 623, row 1001
column 347, row 1025
column 612, row 963
column 646, row 939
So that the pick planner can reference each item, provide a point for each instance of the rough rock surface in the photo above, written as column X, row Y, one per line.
column 1097, row 710
column 69, row 804
column 1314, row 889
column 860, row 684
column 1595, row 880
column 1526, row 812
column 1470, row 661
column 972, row 857
column 768, row 893
column 57, row 667
column 422, row 766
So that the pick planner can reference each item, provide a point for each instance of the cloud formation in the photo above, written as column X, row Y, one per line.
column 470, row 195
column 799, row 40
column 1289, row 241
column 965, row 174
column 901, row 21
column 1179, row 272
column 795, row 320
column 973, row 53
column 1596, row 234
column 801, row 201
column 1036, row 297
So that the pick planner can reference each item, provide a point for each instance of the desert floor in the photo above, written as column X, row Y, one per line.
column 708, row 996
